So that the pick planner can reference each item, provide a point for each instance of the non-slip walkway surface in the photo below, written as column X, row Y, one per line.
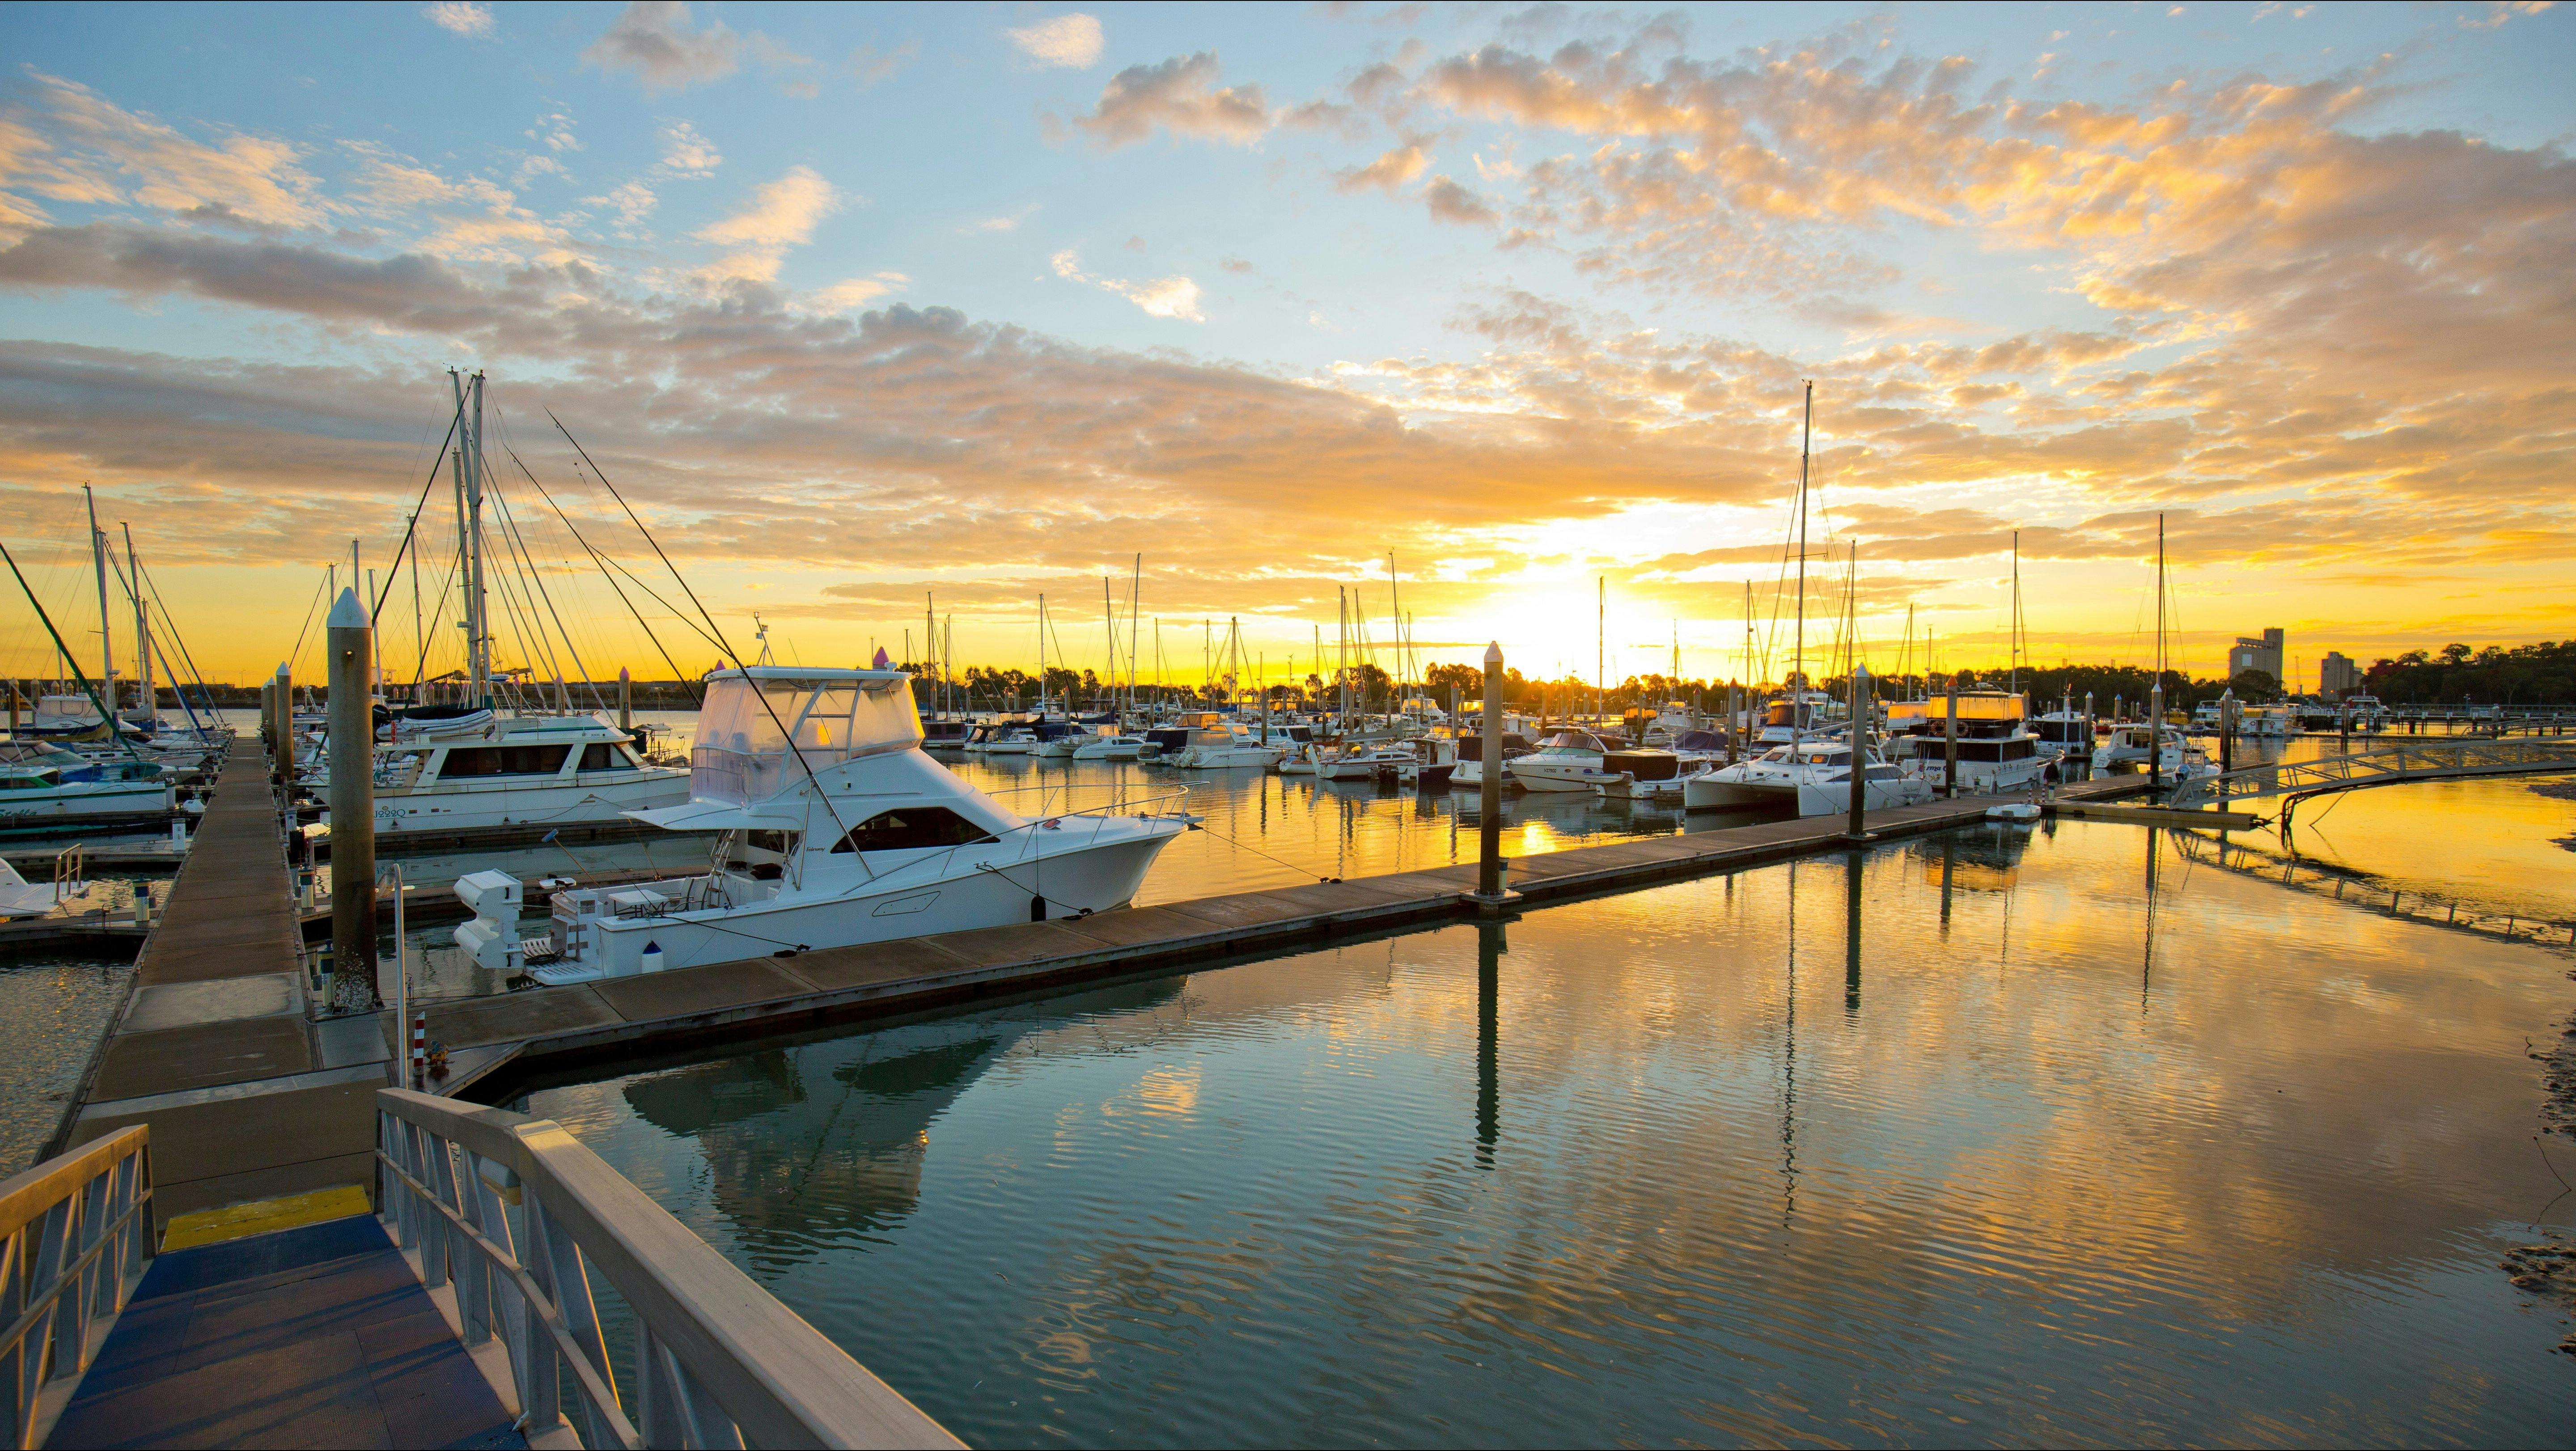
column 246, row 1100
column 319, row 1336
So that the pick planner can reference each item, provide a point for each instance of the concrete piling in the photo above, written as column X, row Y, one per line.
column 1861, row 707
column 1489, row 850
column 282, row 722
column 1950, row 742
column 625, row 699
column 353, row 806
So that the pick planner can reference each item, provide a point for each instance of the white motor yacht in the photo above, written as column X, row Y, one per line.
column 1107, row 747
column 1648, row 773
column 1364, row 762
column 465, row 771
column 2123, row 752
column 42, row 783
column 1565, row 761
column 1810, row 777
column 1795, row 716
column 854, row 836
column 1217, row 746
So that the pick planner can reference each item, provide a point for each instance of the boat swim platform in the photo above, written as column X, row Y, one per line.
column 214, row 1047
column 498, row 1045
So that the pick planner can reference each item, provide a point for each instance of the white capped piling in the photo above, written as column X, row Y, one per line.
column 1861, row 707
column 1489, row 781
column 625, row 700
column 353, row 806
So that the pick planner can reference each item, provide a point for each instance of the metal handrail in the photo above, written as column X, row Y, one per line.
column 717, row 1360
column 2416, row 759
column 75, row 1232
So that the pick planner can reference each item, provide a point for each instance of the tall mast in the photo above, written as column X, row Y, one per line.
column 1135, row 604
column 1042, row 680
column 1395, row 607
column 2160, row 599
column 1109, row 616
column 1806, row 437
column 106, row 648
column 1601, row 650
column 146, row 697
column 2012, row 627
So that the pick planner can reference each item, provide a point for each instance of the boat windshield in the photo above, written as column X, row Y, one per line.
column 740, row 754
column 1572, row 741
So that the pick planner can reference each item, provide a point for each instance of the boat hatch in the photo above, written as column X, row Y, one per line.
column 835, row 716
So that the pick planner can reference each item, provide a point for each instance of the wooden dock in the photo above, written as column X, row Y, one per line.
column 499, row 1044
column 247, row 1098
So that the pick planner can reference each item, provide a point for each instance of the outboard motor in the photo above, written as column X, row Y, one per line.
column 493, row 936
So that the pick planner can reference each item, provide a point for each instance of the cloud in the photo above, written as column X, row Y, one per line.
column 633, row 201
column 871, row 65
column 687, row 153
column 1450, row 202
column 469, row 18
column 1071, row 41
column 1172, row 297
column 1007, row 222
column 782, row 214
column 1181, row 97
column 1388, row 173
column 841, row 296
column 97, row 152
column 652, row 39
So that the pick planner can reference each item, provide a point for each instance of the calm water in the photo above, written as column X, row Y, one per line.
column 2001, row 1136
column 52, row 1014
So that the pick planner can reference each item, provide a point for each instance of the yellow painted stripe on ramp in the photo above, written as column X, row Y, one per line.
column 262, row 1216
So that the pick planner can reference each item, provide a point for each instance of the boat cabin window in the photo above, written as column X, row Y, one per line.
column 463, row 761
column 603, row 756
column 911, row 828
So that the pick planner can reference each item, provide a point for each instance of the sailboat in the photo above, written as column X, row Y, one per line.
column 1809, row 774
column 482, row 762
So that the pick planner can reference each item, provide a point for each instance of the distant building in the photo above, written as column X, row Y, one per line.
column 2338, row 676
column 2264, row 655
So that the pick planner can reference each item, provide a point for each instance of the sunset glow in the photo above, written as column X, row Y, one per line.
column 878, row 312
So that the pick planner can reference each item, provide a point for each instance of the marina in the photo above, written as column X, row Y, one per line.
column 1373, row 724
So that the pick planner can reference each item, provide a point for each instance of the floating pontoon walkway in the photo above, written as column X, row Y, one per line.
column 498, row 1043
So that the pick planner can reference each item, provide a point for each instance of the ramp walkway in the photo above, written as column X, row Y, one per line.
column 2389, row 766
column 215, row 1050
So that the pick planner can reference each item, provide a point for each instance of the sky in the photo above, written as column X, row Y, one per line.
column 1499, row 317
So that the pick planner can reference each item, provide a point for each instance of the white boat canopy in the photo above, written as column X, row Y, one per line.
column 741, row 753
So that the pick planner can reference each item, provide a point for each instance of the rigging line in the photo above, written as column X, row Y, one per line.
column 106, row 713
column 538, row 576
column 153, row 587
column 318, row 591
column 603, row 562
column 378, row 607
column 420, row 666
column 528, row 561
column 757, row 693
column 522, row 611
column 1256, row 851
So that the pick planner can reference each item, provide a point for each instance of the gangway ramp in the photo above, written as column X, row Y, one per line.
column 2452, row 760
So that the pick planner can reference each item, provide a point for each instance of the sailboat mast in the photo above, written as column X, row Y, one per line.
column 1042, row 680
column 1135, row 603
column 1395, row 607
column 106, row 648
column 1798, row 651
column 2016, row 612
column 146, row 697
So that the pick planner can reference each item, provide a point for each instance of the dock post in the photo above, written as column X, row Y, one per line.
column 353, row 807
column 282, row 720
column 1861, row 707
column 1489, row 783
column 1950, row 742
column 625, row 700
column 2156, row 737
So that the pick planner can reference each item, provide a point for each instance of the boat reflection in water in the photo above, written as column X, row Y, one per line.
column 2013, row 1134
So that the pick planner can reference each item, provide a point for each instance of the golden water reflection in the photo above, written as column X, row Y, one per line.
column 1999, row 1135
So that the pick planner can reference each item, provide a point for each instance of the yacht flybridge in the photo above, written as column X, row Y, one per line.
column 852, row 836
column 477, row 769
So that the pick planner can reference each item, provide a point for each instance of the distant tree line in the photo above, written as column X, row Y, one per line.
column 2542, row 674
